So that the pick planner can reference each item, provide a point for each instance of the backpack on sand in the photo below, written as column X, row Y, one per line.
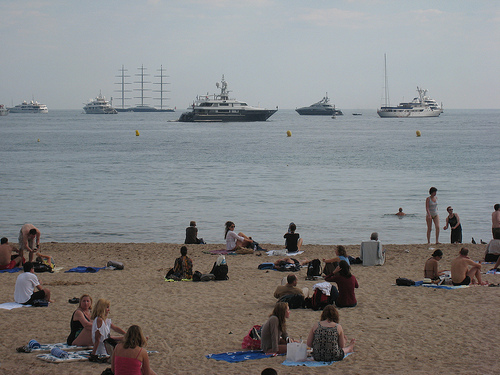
column 319, row 300
column 313, row 269
column 220, row 271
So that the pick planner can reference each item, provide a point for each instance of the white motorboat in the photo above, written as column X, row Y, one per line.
column 3, row 111
column 220, row 107
column 29, row 107
column 99, row 106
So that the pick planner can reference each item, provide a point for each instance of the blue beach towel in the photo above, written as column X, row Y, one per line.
column 12, row 270
column 240, row 356
column 83, row 269
column 310, row 362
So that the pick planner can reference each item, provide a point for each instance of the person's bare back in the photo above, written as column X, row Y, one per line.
column 460, row 269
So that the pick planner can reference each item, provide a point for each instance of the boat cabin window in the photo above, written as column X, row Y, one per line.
column 223, row 104
column 206, row 104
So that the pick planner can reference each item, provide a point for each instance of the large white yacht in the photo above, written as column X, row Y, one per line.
column 321, row 108
column 421, row 106
column 29, row 107
column 223, row 109
column 99, row 106
column 3, row 111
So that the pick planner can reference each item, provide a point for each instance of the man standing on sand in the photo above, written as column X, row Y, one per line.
column 29, row 239
column 495, row 222
column 25, row 285
column 7, row 262
column 460, row 272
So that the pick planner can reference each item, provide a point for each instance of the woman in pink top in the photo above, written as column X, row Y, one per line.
column 129, row 356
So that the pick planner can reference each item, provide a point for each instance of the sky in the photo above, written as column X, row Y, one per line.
column 285, row 53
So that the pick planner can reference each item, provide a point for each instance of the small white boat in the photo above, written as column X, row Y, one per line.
column 3, row 111
column 99, row 106
column 29, row 107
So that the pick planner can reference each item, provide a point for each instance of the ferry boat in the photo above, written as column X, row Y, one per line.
column 321, row 108
column 99, row 106
column 421, row 106
column 220, row 107
column 3, row 111
column 29, row 107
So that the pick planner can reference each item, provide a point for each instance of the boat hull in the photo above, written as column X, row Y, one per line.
column 307, row 111
column 243, row 116
column 394, row 112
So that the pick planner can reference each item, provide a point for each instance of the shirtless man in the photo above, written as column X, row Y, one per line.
column 8, row 262
column 400, row 212
column 460, row 272
column 29, row 239
column 495, row 222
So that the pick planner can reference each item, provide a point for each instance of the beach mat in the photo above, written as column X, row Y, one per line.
column 12, row 305
column 81, row 355
column 282, row 252
column 310, row 362
column 48, row 347
column 12, row 270
column 84, row 269
column 240, row 356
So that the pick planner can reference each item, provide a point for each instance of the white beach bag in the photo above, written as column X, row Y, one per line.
column 296, row 351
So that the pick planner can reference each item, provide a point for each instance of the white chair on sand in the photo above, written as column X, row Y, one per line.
column 372, row 254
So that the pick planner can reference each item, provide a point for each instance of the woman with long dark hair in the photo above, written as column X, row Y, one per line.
column 346, row 283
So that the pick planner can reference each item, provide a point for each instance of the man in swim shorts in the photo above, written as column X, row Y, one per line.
column 460, row 272
column 7, row 260
column 29, row 240
column 495, row 222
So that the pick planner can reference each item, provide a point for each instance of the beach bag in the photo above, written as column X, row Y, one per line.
column 403, row 281
column 295, row 301
column 39, row 267
column 196, row 276
column 116, row 265
column 252, row 340
column 296, row 351
column 207, row 277
column 319, row 300
column 220, row 271
column 313, row 269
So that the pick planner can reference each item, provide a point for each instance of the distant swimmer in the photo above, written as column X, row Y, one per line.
column 400, row 212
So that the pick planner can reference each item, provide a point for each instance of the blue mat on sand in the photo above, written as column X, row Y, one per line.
column 12, row 270
column 310, row 362
column 83, row 269
column 240, row 356
column 421, row 283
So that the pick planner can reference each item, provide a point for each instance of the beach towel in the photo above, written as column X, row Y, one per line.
column 310, row 362
column 12, row 270
column 421, row 283
column 240, row 356
column 282, row 252
column 493, row 272
column 34, row 346
column 81, row 355
column 83, row 269
column 12, row 305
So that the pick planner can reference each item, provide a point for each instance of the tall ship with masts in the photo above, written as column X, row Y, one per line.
column 143, row 88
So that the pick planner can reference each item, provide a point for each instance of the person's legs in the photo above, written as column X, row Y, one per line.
column 350, row 348
column 428, row 219
column 299, row 244
column 475, row 272
column 436, row 226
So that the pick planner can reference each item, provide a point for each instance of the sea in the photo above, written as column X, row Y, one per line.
column 142, row 177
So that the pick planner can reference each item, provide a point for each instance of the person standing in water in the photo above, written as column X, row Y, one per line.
column 432, row 214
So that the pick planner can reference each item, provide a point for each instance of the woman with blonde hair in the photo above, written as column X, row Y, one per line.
column 327, row 337
column 81, row 323
column 101, row 329
column 273, row 335
column 129, row 356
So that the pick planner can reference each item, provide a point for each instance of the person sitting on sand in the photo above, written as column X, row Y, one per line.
column 431, row 270
column 81, row 323
column 273, row 334
column 346, row 283
column 234, row 240
column 400, row 212
column 293, row 242
column 460, row 272
column 25, row 285
column 101, row 329
column 183, row 267
column 492, row 251
column 192, row 235
column 129, row 357
column 7, row 260
column 331, row 264
column 327, row 338
column 290, row 288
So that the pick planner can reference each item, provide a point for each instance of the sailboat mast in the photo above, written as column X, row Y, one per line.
column 161, row 83
column 386, row 85
column 123, row 83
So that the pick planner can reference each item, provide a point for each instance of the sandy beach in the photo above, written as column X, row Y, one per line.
column 399, row 330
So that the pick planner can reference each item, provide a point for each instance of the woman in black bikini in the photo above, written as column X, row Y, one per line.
column 81, row 324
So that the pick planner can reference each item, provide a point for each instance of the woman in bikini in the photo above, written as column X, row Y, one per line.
column 130, row 357
column 81, row 323
column 432, row 214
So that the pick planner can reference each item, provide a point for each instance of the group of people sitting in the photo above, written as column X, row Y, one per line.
column 91, row 326
column 326, row 337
